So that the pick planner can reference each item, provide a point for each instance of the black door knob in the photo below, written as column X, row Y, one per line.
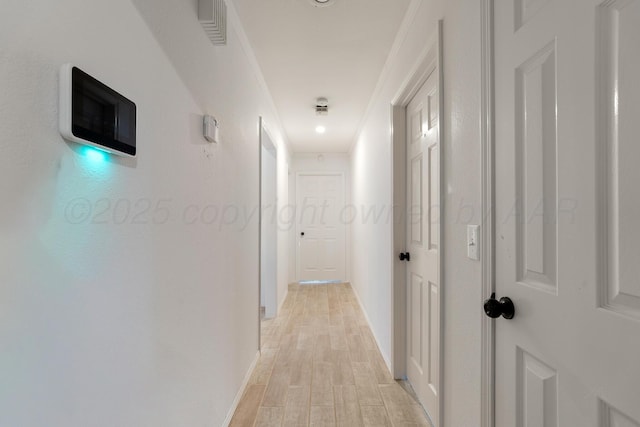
column 494, row 308
column 405, row 256
column 302, row 234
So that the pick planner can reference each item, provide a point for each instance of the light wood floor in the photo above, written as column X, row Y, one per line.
column 320, row 366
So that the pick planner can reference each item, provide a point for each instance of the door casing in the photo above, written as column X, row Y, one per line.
column 430, row 59
column 487, row 237
column 264, row 140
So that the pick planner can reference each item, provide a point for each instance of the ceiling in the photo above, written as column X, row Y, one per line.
column 306, row 52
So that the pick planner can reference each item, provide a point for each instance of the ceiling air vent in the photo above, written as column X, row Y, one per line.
column 212, row 15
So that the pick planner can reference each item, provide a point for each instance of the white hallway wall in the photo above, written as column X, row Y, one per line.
column 135, row 324
column 171, row 22
column 322, row 163
column 371, row 171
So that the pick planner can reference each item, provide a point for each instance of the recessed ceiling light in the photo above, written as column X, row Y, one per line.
column 321, row 129
column 321, row 3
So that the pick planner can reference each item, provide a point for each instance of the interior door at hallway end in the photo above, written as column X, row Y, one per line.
column 423, row 236
column 320, row 228
column 567, row 205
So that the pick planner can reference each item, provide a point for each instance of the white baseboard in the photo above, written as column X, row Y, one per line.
column 283, row 300
column 245, row 382
column 375, row 337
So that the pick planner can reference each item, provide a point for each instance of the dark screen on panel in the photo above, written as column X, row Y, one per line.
column 101, row 115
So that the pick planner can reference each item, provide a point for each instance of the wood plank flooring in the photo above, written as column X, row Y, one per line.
column 320, row 366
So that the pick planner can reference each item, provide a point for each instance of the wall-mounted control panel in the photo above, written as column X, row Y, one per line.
column 92, row 113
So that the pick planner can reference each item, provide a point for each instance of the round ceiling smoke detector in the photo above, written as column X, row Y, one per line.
column 322, row 3
column 322, row 106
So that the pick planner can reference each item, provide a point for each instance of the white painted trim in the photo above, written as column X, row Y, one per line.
column 260, row 125
column 418, row 74
column 271, row 147
column 243, row 387
column 487, row 376
column 416, row 77
column 398, row 231
column 283, row 299
column 443, row 242
column 429, row 60
column 366, row 317
column 388, row 65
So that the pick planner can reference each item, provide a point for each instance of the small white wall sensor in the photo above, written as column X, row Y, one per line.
column 211, row 129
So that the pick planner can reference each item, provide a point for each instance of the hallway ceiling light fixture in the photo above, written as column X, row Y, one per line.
column 321, row 129
column 321, row 3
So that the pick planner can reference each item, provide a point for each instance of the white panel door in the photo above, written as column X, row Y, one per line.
column 423, row 278
column 320, row 227
column 567, row 206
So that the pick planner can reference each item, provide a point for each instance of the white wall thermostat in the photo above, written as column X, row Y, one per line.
column 211, row 129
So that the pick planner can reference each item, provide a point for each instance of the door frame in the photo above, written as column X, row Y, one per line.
column 300, row 212
column 487, row 233
column 263, row 130
column 429, row 60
